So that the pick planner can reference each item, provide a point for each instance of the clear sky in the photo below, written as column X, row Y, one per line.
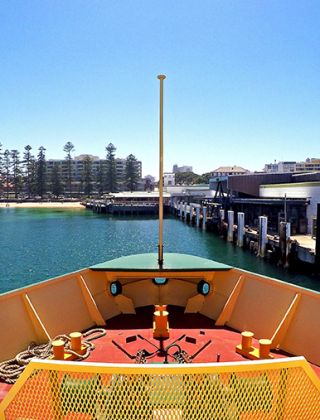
column 242, row 87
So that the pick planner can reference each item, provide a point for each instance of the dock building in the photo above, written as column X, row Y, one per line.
column 284, row 196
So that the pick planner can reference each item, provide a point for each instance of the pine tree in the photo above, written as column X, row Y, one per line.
column 132, row 173
column 56, row 181
column 111, row 174
column 6, row 171
column 16, row 172
column 41, row 172
column 29, row 167
column 68, row 148
column 87, row 175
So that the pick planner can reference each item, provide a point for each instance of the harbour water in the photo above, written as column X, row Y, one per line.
column 37, row 244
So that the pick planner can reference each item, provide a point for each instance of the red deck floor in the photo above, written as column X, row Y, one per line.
column 132, row 333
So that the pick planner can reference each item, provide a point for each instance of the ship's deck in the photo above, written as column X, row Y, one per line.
column 195, row 334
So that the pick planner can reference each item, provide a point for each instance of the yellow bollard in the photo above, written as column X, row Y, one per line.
column 76, row 338
column 58, row 349
column 246, row 340
column 264, row 349
column 160, row 322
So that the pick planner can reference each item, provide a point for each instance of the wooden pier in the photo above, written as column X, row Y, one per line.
column 281, row 247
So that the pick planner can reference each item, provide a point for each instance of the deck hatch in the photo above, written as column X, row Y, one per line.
column 172, row 262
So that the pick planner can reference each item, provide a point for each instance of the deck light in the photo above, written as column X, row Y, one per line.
column 203, row 288
column 160, row 281
column 115, row 288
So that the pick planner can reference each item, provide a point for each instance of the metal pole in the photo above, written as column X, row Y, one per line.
column 161, row 77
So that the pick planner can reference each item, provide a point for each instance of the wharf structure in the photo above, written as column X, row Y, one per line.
column 275, row 215
column 129, row 203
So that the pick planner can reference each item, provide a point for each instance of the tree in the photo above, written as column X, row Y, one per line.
column 16, row 172
column 29, row 170
column 87, row 175
column 68, row 148
column 6, row 171
column 132, row 173
column 56, row 182
column 41, row 172
column 111, row 174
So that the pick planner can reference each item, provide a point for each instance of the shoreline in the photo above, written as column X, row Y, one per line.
column 44, row 205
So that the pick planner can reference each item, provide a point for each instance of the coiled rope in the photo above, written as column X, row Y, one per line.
column 10, row 370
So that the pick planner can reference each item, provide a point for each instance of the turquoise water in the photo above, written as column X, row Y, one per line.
column 39, row 244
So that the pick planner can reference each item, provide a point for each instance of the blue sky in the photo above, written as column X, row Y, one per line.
column 242, row 87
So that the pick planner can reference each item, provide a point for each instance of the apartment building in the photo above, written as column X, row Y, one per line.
column 78, row 165
column 309, row 165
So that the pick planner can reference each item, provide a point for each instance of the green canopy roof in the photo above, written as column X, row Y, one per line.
column 172, row 262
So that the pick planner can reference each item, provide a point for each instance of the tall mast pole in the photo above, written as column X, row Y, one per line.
column 161, row 77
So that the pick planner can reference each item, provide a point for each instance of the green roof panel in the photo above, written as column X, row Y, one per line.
column 172, row 262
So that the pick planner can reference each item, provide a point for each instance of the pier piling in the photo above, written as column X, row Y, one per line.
column 284, row 238
column 230, row 225
column 204, row 217
column 240, row 229
column 198, row 216
column 263, row 226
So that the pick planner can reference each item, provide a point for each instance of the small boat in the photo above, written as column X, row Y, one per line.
column 160, row 336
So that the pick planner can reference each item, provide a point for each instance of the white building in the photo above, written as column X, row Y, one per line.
column 168, row 179
column 229, row 170
column 309, row 165
column 284, row 166
column 309, row 190
column 78, row 164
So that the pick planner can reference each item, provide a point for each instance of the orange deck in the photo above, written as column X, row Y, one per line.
column 194, row 333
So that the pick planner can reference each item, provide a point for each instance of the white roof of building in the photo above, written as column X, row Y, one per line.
column 230, row 169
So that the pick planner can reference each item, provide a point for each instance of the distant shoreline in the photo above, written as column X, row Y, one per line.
column 44, row 205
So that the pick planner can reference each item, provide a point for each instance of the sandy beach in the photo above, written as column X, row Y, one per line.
column 45, row 205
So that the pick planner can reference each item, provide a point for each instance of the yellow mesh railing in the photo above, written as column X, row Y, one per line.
column 251, row 390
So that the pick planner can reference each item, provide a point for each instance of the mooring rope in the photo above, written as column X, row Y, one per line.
column 10, row 370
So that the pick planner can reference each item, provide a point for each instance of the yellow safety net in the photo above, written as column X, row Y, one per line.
column 84, row 391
